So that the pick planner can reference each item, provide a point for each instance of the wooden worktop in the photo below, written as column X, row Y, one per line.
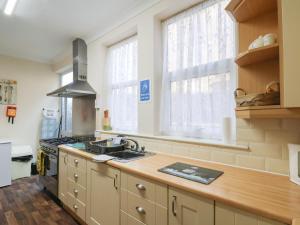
column 296, row 221
column 265, row 194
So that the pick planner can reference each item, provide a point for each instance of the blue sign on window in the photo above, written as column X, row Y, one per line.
column 145, row 90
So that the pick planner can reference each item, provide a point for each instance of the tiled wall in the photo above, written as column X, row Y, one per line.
column 267, row 138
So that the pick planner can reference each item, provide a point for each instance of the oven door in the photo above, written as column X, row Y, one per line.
column 50, row 180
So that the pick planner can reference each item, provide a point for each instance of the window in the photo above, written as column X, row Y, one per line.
column 66, row 107
column 198, row 76
column 122, row 76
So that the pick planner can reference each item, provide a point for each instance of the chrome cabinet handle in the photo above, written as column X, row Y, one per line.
column 75, row 207
column 76, row 176
column 173, row 206
column 76, row 161
column 140, row 210
column 75, row 191
column 65, row 159
column 140, row 187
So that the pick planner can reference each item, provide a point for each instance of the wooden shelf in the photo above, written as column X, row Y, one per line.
column 273, row 111
column 257, row 107
column 243, row 10
column 258, row 55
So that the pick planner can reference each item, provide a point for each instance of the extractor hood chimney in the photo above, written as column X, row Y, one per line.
column 79, row 87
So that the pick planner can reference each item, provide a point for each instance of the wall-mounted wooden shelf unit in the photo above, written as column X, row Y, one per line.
column 258, row 67
column 258, row 55
column 243, row 10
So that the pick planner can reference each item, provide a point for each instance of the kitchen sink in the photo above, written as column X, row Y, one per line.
column 127, row 155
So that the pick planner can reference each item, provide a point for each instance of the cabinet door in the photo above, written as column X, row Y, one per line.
column 62, row 176
column 189, row 209
column 289, row 53
column 103, row 191
column 226, row 215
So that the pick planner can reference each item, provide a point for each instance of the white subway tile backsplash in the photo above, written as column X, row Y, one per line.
column 223, row 157
column 277, row 166
column 181, row 149
column 291, row 125
column 281, row 137
column 285, row 152
column 250, row 135
column 253, row 162
column 266, row 124
column 266, row 150
column 240, row 123
column 267, row 140
column 203, row 153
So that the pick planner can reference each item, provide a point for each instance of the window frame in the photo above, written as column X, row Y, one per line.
column 64, row 106
column 173, row 75
column 123, row 84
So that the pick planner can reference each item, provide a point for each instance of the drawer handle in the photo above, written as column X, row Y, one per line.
column 76, row 176
column 75, row 207
column 75, row 191
column 140, row 187
column 140, row 210
column 76, row 161
column 173, row 206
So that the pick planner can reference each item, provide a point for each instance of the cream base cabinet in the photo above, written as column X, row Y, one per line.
column 226, row 215
column 103, row 194
column 189, row 209
column 62, row 171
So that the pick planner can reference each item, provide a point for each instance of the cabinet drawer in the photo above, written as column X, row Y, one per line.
column 76, row 206
column 141, row 187
column 78, row 176
column 141, row 209
column 77, row 162
column 129, row 220
column 145, row 188
column 77, row 191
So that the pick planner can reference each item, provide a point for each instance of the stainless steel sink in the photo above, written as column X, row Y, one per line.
column 129, row 155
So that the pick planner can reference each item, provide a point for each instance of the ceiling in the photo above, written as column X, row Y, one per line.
column 41, row 30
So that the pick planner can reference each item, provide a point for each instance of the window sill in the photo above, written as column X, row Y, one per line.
column 205, row 142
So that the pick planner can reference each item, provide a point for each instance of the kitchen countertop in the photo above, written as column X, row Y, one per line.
column 269, row 195
column 296, row 221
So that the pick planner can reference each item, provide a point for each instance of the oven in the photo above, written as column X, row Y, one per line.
column 49, row 147
column 50, row 179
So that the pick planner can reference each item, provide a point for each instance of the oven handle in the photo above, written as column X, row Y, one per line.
column 49, row 155
column 50, row 158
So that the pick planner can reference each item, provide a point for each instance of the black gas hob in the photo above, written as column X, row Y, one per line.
column 51, row 145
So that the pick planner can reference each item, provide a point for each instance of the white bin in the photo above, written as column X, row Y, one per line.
column 21, row 161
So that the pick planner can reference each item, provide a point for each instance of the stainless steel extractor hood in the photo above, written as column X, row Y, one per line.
column 79, row 87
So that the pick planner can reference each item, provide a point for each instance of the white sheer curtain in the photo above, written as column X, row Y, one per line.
column 198, row 71
column 122, row 76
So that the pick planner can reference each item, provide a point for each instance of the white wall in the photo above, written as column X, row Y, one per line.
column 35, row 80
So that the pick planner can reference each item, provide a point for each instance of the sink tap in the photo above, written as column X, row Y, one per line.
column 136, row 148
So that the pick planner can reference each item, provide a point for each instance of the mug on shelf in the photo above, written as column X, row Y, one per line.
column 269, row 39
column 257, row 43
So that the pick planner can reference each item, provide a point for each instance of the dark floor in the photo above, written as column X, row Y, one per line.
column 24, row 203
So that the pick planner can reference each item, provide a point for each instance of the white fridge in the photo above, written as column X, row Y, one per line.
column 5, row 162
